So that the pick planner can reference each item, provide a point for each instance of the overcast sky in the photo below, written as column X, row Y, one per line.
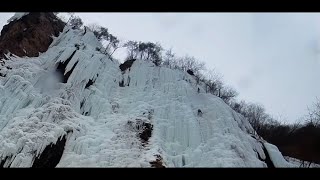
column 269, row 58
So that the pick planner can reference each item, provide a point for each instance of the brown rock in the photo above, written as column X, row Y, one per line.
column 30, row 34
column 158, row 163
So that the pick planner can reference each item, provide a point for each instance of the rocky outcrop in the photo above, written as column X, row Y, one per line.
column 51, row 155
column 30, row 34
column 127, row 64
column 158, row 163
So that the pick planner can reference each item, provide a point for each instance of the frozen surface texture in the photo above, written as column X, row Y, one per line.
column 115, row 118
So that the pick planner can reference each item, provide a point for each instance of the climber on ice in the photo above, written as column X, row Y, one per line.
column 199, row 112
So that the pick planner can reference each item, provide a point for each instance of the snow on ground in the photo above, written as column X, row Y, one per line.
column 37, row 109
column 285, row 161
column 300, row 163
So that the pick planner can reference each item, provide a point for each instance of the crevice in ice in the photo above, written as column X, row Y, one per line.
column 190, row 72
column 3, row 161
column 77, row 46
column 62, row 68
column 85, row 30
column 51, row 155
column 183, row 160
column 67, row 75
column 259, row 156
column 268, row 160
column 87, row 113
column 89, row 83
column 128, row 82
column 121, row 83
column 98, row 49
column 82, row 103
column 127, row 64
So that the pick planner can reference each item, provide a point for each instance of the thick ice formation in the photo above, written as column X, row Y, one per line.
column 74, row 90
column 276, row 156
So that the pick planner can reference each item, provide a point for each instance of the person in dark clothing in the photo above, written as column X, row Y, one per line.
column 198, row 90
column 199, row 112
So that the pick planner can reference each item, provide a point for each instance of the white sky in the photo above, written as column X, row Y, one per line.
column 269, row 58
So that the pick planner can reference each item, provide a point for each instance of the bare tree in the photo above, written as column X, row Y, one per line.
column 191, row 63
column 238, row 106
column 314, row 113
column 256, row 116
column 115, row 43
column 168, row 58
column 132, row 49
column 94, row 27
column 294, row 127
column 100, row 32
column 155, row 53
column 75, row 22
column 213, row 81
column 227, row 93
column 181, row 64
column 71, row 16
column 145, row 50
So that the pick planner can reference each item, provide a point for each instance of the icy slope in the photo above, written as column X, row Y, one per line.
column 110, row 118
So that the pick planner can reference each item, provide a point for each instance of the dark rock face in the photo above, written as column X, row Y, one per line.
column 127, row 64
column 89, row 83
column 142, row 128
column 30, row 35
column 49, row 158
column 61, row 68
column 190, row 72
column 158, row 163
column 51, row 155
column 146, row 132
